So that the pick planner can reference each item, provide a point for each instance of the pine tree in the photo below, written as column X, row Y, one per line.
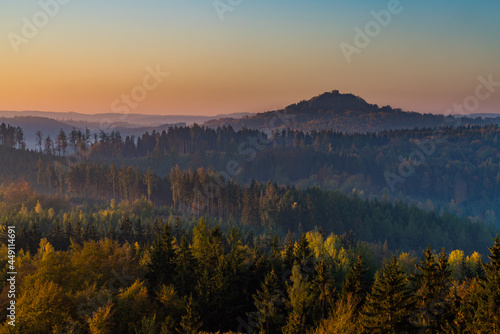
column 184, row 277
column 303, row 255
column 148, row 325
column 275, row 245
column 433, row 281
column 489, row 305
column 288, row 247
column 302, row 299
column 270, row 307
column 40, row 170
column 163, row 259
column 150, row 180
column 69, row 231
column 39, row 140
column 190, row 323
column 91, row 232
column 126, row 230
column 49, row 145
column 250, row 210
column 139, row 231
column 58, row 239
column 111, row 234
column 354, row 282
column 388, row 306
column 113, row 176
column 34, row 237
column 448, row 301
column 323, row 285
column 295, row 324
column 354, row 285
column 78, row 232
column 61, row 142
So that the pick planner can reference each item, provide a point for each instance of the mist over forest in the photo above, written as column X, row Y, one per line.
column 323, row 217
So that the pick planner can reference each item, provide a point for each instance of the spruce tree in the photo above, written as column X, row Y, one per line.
column 444, row 308
column 323, row 285
column 354, row 281
column 295, row 324
column 126, row 231
column 185, row 276
column 111, row 234
column 190, row 322
column 354, row 285
column 201, row 243
column 433, row 281
column 388, row 306
column 303, row 256
column 58, row 239
column 270, row 307
column 276, row 262
column 163, row 259
column 250, row 209
column 489, row 305
column 302, row 299
column 139, row 231
column 288, row 257
column 34, row 237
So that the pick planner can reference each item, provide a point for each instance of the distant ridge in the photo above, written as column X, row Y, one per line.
column 341, row 112
column 346, row 113
column 50, row 123
column 482, row 115
column 124, row 120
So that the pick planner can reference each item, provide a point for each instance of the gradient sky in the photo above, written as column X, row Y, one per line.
column 265, row 55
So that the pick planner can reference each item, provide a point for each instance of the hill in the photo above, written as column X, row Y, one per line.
column 341, row 112
column 51, row 127
column 118, row 120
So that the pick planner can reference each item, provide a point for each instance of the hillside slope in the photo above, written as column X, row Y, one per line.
column 342, row 112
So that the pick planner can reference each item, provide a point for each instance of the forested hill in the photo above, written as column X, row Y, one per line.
column 459, row 173
column 341, row 112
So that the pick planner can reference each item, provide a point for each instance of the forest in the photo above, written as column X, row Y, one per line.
column 205, row 280
column 201, row 230
column 454, row 169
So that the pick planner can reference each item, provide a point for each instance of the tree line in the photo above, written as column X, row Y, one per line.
column 460, row 174
column 459, row 171
column 258, row 205
column 206, row 280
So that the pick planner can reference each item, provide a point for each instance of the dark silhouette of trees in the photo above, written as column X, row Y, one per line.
column 389, row 305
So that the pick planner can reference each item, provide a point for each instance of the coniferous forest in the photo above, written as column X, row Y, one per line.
column 249, row 167
column 200, row 230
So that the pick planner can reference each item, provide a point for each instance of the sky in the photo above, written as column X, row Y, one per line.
column 205, row 57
